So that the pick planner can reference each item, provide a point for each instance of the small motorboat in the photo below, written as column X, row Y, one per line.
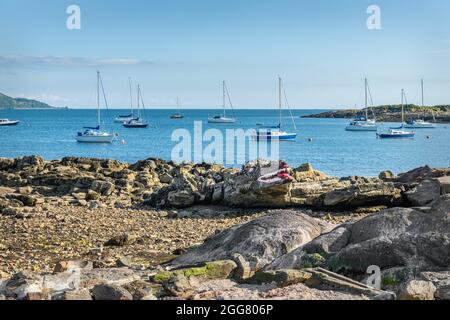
column 396, row 133
column 7, row 122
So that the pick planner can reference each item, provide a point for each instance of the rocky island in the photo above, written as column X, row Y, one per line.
column 83, row 229
column 392, row 113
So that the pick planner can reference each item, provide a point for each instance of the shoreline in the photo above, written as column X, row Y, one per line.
column 153, row 216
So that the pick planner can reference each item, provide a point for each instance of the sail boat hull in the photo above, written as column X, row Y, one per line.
column 274, row 135
column 221, row 120
column 420, row 125
column 361, row 127
column 98, row 138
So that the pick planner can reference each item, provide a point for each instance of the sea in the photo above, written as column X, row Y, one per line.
column 322, row 142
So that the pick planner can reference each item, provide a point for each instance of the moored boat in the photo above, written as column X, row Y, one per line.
column 274, row 132
column 177, row 115
column 137, row 122
column 93, row 134
column 398, row 133
column 363, row 123
column 421, row 123
column 223, row 118
column 7, row 122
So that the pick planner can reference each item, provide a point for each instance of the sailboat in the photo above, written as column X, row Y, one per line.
column 137, row 122
column 177, row 115
column 398, row 132
column 421, row 123
column 363, row 123
column 7, row 122
column 127, row 117
column 223, row 118
column 274, row 132
column 93, row 134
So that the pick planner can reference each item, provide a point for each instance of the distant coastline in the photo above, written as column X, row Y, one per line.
column 391, row 113
column 9, row 103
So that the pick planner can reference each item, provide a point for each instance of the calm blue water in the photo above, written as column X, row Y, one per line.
column 50, row 133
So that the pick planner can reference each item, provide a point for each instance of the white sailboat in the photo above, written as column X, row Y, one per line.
column 421, row 123
column 267, row 133
column 137, row 122
column 223, row 118
column 177, row 115
column 363, row 123
column 398, row 133
column 93, row 134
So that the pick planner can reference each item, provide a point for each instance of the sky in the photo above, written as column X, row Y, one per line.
column 322, row 49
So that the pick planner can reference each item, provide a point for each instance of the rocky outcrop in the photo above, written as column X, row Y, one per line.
column 259, row 241
column 394, row 238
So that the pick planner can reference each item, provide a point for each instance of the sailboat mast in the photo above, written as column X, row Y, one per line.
column 178, row 105
column 279, row 97
column 131, row 97
column 224, row 98
column 98, row 98
column 423, row 99
column 365, row 97
column 403, row 107
column 138, row 94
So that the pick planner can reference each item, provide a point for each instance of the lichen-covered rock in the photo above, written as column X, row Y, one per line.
column 260, row 241
column 417, row 290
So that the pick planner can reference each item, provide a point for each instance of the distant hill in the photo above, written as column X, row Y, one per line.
column 392, row 113
column 21, row 103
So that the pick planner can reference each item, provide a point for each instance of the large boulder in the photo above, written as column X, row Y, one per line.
column 396, row 237
column 259, row 241
column 425, row 193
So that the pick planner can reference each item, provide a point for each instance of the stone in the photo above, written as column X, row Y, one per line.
column 260, row 241
column 445, row 184
column 397, row 237
column 425, row 193
column 386, row 175
column 243, row 270
column 105, row 188
column 181, row 286
column 208, row 270
column 124, row 262
column 110, row 292
column 70, row 265
column 282, row 278
column 76, row 295
column 418, row 290
column 166, row 178
column 118, row 241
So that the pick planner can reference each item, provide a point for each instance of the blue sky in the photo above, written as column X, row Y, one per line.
column 321, row 48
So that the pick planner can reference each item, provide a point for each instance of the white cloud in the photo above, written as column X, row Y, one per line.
column 54, row 61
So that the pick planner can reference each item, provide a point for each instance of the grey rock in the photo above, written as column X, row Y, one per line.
column 425, row 193
column 259, row 241
column 417, row 290
column 110, row 292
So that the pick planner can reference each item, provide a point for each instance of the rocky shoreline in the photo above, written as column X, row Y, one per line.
column 391, row 113
column 82, row 228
